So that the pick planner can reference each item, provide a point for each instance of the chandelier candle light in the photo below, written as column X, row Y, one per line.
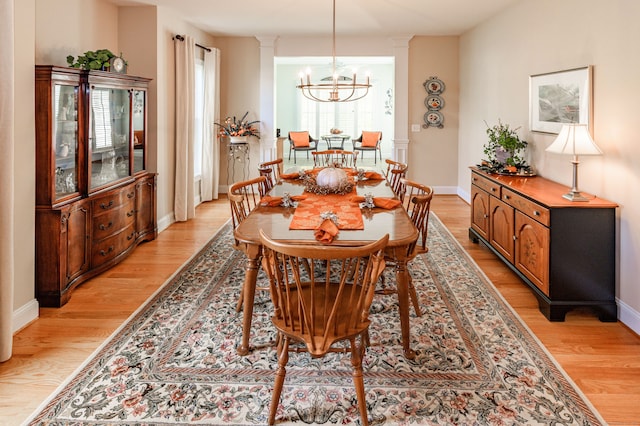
column 341, row 89
column 574, row 139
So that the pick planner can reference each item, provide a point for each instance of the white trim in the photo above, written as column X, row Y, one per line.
column 628, row 316
column 25, row 315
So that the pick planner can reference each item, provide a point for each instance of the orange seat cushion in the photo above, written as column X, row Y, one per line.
column 370, row 139
column 299, row 139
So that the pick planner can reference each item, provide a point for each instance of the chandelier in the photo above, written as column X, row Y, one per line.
column 338, row 88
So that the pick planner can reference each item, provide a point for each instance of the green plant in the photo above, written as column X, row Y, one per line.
column 91, row 60
column 505, row 150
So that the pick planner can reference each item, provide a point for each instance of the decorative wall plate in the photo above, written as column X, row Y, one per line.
column 434, row 86
column 434, row 102
column 433, row 119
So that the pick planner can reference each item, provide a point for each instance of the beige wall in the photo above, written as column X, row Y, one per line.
column 24, row 154
column 539, row 36
column 433, row 151
column 239, row 92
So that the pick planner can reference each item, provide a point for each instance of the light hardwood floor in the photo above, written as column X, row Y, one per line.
column 602, row 358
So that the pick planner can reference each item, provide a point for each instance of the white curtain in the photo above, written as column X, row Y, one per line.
column 6, row 177
column 210, row 142
column 184, row 198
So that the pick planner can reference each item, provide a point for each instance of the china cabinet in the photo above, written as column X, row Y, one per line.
column 564, row 251
column 95, row 200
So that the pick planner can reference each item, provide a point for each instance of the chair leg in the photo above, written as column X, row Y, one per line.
column 240, row 300
column 283, row 358
column 358, row 382
column 414, row 297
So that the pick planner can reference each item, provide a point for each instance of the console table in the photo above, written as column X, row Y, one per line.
column 238, row 158
column 563, row 250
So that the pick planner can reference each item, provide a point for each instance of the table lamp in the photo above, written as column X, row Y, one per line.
column 574, row 139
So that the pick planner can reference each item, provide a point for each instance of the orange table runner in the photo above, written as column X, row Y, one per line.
column 307, row 214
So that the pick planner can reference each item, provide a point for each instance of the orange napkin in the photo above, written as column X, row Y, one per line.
column 295, row 175
column 373, row 175
column 269, row 201
column 369, row 174
column 382, row 202
column 326, row 231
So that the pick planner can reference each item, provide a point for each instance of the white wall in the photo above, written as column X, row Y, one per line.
column 540, row 36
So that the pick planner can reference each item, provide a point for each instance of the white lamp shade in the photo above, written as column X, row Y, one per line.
column 574, row 139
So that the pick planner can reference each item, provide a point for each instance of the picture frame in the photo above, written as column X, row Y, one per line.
column 560, row 97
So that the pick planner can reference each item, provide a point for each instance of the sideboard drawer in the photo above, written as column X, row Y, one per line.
column 534, row 210
column 113, row 246
column 113, row 221
column 486, row 184
column 113, row 200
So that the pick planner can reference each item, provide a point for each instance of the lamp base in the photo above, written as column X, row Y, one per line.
column 575, row 196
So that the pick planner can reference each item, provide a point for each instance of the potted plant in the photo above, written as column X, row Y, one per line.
column 92, row 60
column 505, row 151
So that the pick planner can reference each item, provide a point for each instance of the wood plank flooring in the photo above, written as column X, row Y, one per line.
column 602, row 358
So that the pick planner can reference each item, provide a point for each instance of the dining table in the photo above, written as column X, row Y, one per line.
column 276, row 223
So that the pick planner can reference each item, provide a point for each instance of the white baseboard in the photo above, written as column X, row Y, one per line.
column 25, row 314
column 629, row 316
column 165, row 222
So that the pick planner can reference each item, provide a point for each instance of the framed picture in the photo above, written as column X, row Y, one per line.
column 560, row 97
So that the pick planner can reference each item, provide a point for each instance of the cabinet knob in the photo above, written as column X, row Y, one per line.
column 493, row 190
column 507, row 197
column 536, row 213
column 515, row 238
column 485, row 216
column 104, row 253
column 107, row 205
column 107, row 226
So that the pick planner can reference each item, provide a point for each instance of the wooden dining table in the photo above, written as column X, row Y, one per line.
column 275, row 221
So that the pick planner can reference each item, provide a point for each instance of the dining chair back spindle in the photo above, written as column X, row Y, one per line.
column 325, row 305
column 243, row 197
column 395, row 172
column 272, row 171
column 417, row 202
column 335, row 158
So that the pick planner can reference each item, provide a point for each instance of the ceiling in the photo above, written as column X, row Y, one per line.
column 314, row 17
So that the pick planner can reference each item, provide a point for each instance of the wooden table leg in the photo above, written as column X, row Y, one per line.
column 253, row 253
column 402, row 282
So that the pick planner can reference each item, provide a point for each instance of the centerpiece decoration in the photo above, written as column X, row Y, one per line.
column 238, row 131
column 505, row 152
column 330, row 180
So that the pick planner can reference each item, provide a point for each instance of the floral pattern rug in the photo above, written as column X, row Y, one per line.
column 174, row 361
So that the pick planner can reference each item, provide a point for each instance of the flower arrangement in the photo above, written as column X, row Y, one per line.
column 234, row 127
column 505, row 151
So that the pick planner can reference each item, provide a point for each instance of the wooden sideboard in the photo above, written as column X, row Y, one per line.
column 563, row 250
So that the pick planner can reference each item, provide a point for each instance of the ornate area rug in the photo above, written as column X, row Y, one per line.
column 174, row 361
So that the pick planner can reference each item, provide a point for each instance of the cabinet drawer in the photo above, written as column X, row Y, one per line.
column 107, row 249
column 526, row 206
column 113, row 220
column 486, row 184
column 113, row 200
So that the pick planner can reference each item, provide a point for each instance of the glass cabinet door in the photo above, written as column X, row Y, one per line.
column 139, row 127
column 65, row 143
column 109, row 142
